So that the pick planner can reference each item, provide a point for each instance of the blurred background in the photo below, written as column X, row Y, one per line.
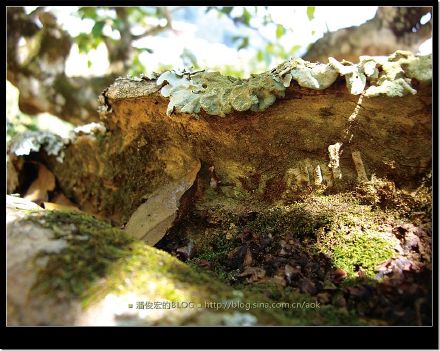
column 59, row 59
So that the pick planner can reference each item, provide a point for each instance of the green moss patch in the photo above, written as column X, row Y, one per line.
column 93, row 246
column 361, row 252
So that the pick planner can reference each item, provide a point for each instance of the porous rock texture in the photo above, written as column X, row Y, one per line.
column 71, row 269
column 299, row 128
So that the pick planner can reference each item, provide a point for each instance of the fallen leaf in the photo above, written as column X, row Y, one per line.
column 44, row 183
column 57, row 207
column 339, row 275
column 247, row 258
column 291, row 272
column 187, row 251
column 151, row 220
column 254, row 274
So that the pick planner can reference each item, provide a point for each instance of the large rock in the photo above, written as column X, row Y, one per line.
column 299, row 128
column 71, row 269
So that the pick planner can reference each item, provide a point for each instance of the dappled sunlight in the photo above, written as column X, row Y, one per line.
column 219, row 166
column 332, row 247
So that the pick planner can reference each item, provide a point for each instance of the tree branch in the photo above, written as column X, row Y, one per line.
column 157, row 29
column 391, row 29
column 40, row 78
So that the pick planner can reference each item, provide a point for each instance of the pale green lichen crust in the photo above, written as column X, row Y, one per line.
column 215, row 94
column 131, row 87
column 54, row 145
column 33, row 141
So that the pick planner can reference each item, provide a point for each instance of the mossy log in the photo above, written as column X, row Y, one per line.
column 300, row 128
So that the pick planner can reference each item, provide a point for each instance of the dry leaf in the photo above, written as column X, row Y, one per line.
column 44, row 183
column 253, row 274
column 57, row 207
column 60, row 199
column 187, row 251
column 291, row 272
column 152, row 219
column 248, row 258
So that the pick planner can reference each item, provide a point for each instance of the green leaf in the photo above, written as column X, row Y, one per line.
column 310, row 12
column 87, row 12
column 246, row 17
column 294, row 49
column 270, row 48
column 260, row 55
column 280, row 31
column 97, row 29
column 117, row 24
column 226, row 10
column 150, row 51
column 136, row 67
column 83, row 42
column 244, row 44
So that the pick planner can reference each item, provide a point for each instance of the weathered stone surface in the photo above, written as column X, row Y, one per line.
column 268, row 151
column 71, row 269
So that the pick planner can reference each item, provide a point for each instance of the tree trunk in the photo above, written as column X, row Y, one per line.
column 391, row 29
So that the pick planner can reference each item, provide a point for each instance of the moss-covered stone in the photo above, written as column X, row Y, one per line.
column 100, row 268
column 353, row 236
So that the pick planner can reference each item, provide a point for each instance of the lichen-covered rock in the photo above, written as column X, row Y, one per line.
column 267, row 137
column 33, row 141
